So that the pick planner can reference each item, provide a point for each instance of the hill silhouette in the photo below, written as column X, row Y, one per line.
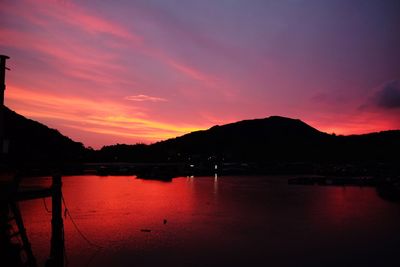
column 31, row 141
column 272, row 139
column 249, row 140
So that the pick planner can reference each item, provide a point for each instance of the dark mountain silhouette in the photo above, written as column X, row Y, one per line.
column 250, row 140
column 31, row 141
column 273, row 139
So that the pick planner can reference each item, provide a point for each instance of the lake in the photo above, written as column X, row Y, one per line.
column 217, row 221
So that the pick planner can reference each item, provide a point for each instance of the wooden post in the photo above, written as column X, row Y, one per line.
column 3, row 67
column 57, row 227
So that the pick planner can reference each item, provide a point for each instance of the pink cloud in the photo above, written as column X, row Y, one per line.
column 142, row 98
column 191, row 72
column 74, row 15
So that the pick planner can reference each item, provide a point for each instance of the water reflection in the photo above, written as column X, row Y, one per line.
column 215, row 183
column 225, row 221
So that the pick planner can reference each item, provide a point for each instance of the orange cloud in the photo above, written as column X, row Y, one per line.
column 100, row 117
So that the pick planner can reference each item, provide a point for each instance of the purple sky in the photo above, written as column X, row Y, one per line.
column 104, row 72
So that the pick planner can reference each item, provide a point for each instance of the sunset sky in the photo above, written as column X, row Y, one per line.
column 105, row 72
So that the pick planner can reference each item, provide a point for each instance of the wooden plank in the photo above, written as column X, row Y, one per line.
column 33, row 194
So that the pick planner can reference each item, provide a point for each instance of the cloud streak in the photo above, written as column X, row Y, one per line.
column 41, row 11
column 143, row 98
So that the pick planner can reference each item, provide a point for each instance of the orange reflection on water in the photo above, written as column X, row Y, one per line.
column 110, row 211
column 126, row 203
column 229, row 221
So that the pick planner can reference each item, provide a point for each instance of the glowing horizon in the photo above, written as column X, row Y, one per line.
column 145, row 71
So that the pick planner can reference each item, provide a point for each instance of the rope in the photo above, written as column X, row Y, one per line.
column 65, row 250
column 63, row 234
column 45, row 206
column 66, row 212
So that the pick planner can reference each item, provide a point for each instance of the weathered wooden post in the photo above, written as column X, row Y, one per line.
column 3, row 68
column 57, row 226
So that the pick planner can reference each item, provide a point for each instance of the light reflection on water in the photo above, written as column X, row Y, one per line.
column 219, row 221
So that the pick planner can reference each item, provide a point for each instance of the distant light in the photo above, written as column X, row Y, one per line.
column 191, row 165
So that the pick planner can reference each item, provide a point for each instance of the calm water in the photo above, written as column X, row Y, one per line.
column 224, row 221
